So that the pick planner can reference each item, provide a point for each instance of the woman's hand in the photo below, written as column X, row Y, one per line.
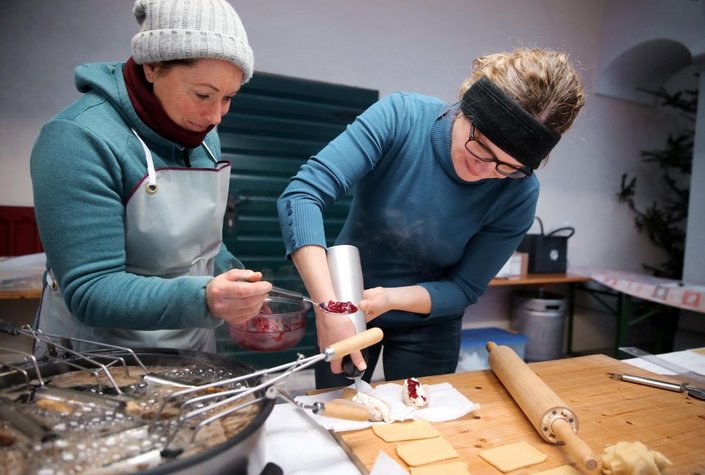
column 378, row 300
column 237, row 295
column 333, row 328
column 375, row 302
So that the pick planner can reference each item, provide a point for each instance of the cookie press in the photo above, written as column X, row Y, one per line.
column 346, row 277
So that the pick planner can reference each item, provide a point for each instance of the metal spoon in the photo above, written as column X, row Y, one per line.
column 279, row 292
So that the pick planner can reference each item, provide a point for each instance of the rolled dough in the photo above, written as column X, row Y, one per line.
column 422, row 452
column 399, row 431
column 513, row 456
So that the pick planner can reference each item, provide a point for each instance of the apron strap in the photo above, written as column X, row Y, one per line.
column 215, row 160
column 152, row 181
column 51, row 280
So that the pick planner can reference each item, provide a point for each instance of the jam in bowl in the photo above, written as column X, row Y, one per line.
column 280, row 325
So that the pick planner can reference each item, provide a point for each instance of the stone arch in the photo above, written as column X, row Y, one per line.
column 643, row 67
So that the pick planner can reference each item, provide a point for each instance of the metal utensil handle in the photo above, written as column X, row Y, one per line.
column 279, row 292
column 683, row 374
column 655, row 383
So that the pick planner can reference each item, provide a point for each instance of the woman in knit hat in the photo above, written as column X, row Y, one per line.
column 130, row 191
column 443, row 194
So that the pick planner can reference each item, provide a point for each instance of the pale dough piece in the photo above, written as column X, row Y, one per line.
column 633, row 458
column 421, row 452
column 399, row 431
column 562, row 470
column 452, row 468
column 513, row 456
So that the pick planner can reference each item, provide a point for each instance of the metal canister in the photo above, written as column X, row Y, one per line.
column 346, row 277
column 541, row 317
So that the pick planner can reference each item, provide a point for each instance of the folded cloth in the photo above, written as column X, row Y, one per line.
column 445, row 404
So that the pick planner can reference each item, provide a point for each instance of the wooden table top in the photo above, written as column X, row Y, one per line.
column 539, row 279
column 608, row 411
column 20, row 294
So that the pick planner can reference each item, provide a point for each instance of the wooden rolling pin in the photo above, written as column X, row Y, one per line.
column 549, row 415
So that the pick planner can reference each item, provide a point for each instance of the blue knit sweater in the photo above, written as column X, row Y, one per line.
column 412, row 218
column 84, row 166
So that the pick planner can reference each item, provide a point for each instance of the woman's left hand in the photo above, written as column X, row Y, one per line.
column 378, row 300
column 375, row 302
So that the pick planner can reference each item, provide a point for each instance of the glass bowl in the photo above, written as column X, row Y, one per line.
column 280, row 325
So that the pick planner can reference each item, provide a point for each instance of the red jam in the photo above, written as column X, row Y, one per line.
column 339, row 307
column 413, row 385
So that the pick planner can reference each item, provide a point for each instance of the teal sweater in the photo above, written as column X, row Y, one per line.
column 84, row 166
column 412, row 218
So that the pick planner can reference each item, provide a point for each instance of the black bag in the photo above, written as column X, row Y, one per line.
column 547, row 252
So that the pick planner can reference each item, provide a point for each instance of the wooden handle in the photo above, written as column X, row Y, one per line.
column 355, row 343
column 576, row 447
column 344, row 409
column 550, row 416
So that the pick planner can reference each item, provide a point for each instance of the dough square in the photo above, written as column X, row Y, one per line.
column 452, row 468
column 425, row 451
column 562, row 470
column 513, row 456
column 400, row 431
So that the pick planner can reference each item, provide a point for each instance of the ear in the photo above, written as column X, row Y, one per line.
column 151, row 71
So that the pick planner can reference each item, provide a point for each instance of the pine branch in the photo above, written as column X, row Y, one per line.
column 665, row 223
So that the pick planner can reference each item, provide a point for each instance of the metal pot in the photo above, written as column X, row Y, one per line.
column 242, row 453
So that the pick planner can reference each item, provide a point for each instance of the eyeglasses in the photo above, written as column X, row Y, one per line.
column 486, row 155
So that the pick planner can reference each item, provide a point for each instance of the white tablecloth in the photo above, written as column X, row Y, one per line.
column 300, row 446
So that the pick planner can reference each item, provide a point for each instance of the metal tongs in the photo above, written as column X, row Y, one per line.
column 698, row 393
column 198, row 407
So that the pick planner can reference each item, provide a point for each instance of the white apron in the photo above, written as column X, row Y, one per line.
column 173, row 228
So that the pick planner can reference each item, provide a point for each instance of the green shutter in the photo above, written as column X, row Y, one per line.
column 274, row 125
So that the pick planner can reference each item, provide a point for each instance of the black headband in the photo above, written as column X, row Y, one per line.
column 508, row 125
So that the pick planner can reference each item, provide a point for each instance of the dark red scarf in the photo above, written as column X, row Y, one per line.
column 150, row 110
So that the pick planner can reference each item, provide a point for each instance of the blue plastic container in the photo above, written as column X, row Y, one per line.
column 473, row 351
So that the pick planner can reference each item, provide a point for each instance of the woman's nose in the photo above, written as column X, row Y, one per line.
column 214, row 113
column 487, row 168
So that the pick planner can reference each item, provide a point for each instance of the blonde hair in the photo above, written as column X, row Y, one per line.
column 542, row 81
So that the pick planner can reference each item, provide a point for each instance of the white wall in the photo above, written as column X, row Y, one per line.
column 387, row 45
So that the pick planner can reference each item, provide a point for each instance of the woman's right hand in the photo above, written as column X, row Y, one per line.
column 236, row 295
column 333, row 328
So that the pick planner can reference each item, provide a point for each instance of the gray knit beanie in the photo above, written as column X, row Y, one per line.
column 190, row 29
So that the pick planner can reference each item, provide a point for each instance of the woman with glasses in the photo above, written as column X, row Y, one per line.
column 443, row 194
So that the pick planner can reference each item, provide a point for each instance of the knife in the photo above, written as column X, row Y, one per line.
column 681, row 373
column 697, row 393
